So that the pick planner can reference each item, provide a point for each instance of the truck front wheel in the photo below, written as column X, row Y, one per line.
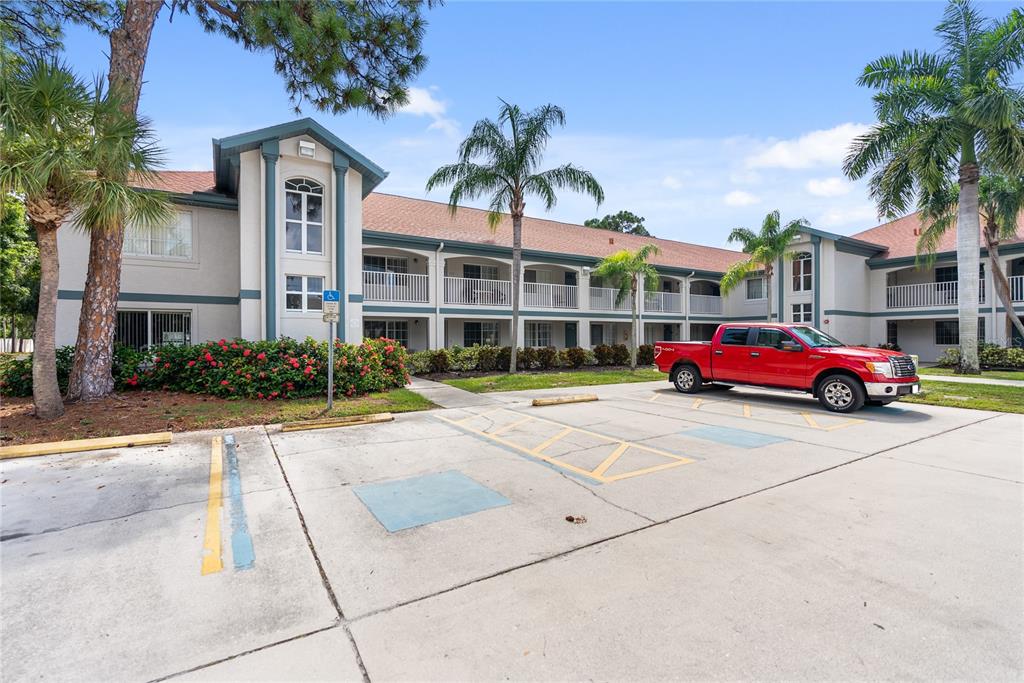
column 686, row 379
column 841, row 394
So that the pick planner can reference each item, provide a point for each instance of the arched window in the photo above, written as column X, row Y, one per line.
column 304, row 216
column 802, row 268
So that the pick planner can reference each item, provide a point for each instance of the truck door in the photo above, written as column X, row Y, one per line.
column 772, row 365
column 731, row 355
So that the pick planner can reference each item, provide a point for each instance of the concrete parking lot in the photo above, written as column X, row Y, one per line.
column 729, row 535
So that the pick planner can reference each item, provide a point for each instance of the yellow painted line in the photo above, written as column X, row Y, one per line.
column 486, row 413
column 746, row 410
column 211, row 539
column 696, row 403
column 78, row 445
column 811, row 422
column 848, row 423
column 559, row 400
column 510, row 426
column 330, row 422
column 655, row 397
column 646, row 470
column 560, row 435
column 610, row 460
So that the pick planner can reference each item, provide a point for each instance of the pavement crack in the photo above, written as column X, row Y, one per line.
column 952, row 469
column 595, row 494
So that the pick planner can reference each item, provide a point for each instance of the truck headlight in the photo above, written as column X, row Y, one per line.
column 880, row 368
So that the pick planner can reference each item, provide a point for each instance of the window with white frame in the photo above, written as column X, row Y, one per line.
column 172, row 240
column 892, row 333
column 596, row 334
column 947, row 332
column 303, row 293
column 479, row 334
column 304, row 216
column 755, row 289
column 802, row 267
column 391, row 329
column 140, row 329
column 802, row 313
column 385, row 264
column 473, row 271
column 538, row 334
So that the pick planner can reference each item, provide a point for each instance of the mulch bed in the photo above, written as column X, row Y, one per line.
column 440, row 376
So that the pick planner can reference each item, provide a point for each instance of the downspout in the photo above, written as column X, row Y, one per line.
column 438, row 292
column 641, row 303
column 685, row 333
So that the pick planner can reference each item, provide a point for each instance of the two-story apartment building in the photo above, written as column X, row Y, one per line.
column 291, row 210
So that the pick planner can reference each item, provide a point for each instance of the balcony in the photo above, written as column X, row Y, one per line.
column 398, row 287
column 704, row 304
column 926, row 294
column 603, row 299
column 466, row 291
column 543, row 295
column 663, row 302
column 1017, row 288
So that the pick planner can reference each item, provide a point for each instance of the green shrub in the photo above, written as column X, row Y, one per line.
column 620, row 354
column 589, row 358
column 547, row 357
column 604, row 354
column 16, row 374
column 440, row 360
column 527, row 358
column 464, row 359
column 950, row 358
column 645, row 354
column 1015, row 358
column 573, row 357
column 989, row 356
column 419, row 362
column 504, row 359
column 487, row 358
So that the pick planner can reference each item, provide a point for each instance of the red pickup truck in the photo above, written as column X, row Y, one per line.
column 843, row 378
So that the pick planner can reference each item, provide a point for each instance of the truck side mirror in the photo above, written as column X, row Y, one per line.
column 789, row 345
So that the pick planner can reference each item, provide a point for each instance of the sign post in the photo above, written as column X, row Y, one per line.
column 332, row 302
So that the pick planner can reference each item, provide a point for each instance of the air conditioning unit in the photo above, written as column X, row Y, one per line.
column 307, row 149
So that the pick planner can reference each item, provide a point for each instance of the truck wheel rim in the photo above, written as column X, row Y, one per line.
column 838, row 394
column 684, row 380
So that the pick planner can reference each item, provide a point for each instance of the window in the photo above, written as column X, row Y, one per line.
column 755, row 288
column 771, row 336
column 173, row 240
column 480, row 334
column 473, row 271
column 596, row 334
column 304, row 216
column 949, row 273
column 816, row 338
column 736, row 336
column 538, row 334
column 892, row 336
column 392, row 329
column 139, row 329
column 303, row 293
column 802, row 272
column 385, row 264
column 947, row 332
column 981, row 329
column 802, row 313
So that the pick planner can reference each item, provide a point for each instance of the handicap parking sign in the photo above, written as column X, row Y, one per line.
column 332, row 295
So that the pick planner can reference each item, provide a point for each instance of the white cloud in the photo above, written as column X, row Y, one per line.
column 740, row 198
column 423, row 103
column 858, row 217
column 817, row 148
column 672, row 183
column 828, row 187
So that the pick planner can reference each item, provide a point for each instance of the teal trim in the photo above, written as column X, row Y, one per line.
column 226, row 151
column 249, row 294
column 373, row 308
column 849, row 242
column 148, row 297
column 340, row 169
column 816, row 294
column 780, row 280
column 847, row 248
column 270, row 151
column 732, row 319
column 893, row 314
column 625, row 315
column 877, row 263
column 355, row 298
column 206, row 201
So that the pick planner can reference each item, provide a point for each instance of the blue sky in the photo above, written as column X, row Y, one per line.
column 698, row 116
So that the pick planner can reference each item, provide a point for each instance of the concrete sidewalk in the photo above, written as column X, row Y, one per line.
column 448, row 396
column 974, row 380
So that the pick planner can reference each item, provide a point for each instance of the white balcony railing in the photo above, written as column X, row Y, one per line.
column 663, row 302
column 1017, row 288
column 544, row 295
column 603, row 299
column 704, row 303
column 474, row 292
column 403, row 287
column 926, row 294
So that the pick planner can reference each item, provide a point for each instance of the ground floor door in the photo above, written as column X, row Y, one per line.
column 571, row 335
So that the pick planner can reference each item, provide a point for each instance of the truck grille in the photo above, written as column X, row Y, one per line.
column 903, row 366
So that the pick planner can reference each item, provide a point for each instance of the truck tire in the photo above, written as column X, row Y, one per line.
column 841, row 394
column 686, row 379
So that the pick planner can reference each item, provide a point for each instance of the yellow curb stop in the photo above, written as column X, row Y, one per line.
column 328, row 422
column 77, row 445
column 559, row 400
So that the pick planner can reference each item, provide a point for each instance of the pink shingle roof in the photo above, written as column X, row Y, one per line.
column 180, row 182
column 901, row 236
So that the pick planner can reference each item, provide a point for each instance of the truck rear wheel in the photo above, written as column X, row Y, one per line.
column 841, row 394
column 686, row 379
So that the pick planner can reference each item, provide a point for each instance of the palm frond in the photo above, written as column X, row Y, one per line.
column 890, row 69
column 573, row 178
column 737, row 273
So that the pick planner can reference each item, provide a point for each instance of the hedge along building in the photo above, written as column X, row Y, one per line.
column 291, row 210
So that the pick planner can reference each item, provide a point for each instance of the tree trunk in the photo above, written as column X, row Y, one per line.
column 517, row 259
column 768, row 293
column 45, row 389
column 14, row 332
column 968, row 248
column 91, row 375
column 633, row 332
column 1001, row 284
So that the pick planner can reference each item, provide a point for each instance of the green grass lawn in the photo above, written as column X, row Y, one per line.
column 551, row 380
column 991, row 374
column 977, row 396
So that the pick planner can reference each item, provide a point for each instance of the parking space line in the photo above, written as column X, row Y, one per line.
column 696, row 403
column 811, row 422
column 646, row 470
column 655, row 396
column 610, row 460
column 561, row 435
column 748, row 414
column 746, row 410
column 510, row 426
column 212, row 562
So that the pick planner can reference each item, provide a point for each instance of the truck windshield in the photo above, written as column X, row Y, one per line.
column 815, row 338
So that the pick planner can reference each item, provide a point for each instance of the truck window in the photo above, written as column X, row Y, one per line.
column 771, row 336
column 736, row 336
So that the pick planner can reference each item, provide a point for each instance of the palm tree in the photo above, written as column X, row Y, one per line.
column 941, row 117
column 1000, row 205
column 627, row 269
column 503, row 167
column 765, row 248
column 56, row 133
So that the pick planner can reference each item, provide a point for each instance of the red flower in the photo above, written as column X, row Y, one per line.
column 223, row 382
column 248, row 376
column 234, row 346
column 247, row 352
column 167, row 365
column 156, row 359
column 222, row 342
column 261, row 356
column 308, row 369
column 191, row 363
column 259, row 394
column 208, row 356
